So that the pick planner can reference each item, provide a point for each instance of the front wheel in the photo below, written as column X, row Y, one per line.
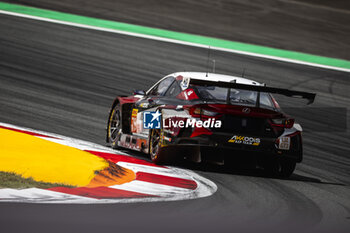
column 155, row 145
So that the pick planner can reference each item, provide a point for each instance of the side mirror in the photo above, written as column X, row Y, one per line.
column 139, row 92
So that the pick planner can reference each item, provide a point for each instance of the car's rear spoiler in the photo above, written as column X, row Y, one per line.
column 290, row 93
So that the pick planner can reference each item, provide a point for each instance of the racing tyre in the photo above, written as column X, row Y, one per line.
column 114, row 126
column 287, row 168
column 155, row 147
column 282, row 168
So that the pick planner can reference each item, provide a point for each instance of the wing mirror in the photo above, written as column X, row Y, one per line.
column 139, row 92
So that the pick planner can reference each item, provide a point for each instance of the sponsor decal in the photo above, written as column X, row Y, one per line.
column 134, row 120
column 245, row 140
column 144, row 105
column 284, row 143
column 185, row 83
column 188, row 94
column 152, row 120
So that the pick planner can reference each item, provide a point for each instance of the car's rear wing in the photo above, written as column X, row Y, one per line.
column 290, row 93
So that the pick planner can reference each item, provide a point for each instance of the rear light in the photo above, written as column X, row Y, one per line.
column 209, row 113
column 196, row 112
column 282, row 122
column 199, row 112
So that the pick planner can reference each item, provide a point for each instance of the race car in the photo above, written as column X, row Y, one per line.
column 209, row 117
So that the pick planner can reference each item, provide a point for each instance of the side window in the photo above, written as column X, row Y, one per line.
column 162, row 87
column 154, row 90
column 265, row 100
column 173, row 90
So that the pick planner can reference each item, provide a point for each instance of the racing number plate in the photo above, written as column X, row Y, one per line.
column 284, row 143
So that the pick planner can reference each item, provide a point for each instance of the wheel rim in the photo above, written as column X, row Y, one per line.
column 155, row 139
column 114, row 125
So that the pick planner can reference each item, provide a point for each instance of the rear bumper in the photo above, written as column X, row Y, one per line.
column 218, row 145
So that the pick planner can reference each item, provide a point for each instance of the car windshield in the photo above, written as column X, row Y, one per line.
column 236, row 96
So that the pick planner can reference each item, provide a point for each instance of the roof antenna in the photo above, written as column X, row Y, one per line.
column 243, row 72
column 208, row 61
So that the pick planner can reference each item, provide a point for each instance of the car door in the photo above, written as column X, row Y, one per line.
column 149, row 102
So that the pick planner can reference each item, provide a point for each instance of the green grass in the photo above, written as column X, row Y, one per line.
column 12, row 180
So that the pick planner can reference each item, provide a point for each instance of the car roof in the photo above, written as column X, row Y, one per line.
column 210, row 77
column 216, row 77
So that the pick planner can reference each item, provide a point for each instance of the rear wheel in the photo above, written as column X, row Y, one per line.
column 282, row 168
column 155, row 147
column 114, row 126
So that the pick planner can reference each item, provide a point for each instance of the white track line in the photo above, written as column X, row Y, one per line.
column 174, row 41
column 37, row 195
column 160, row 190
column 154, row 170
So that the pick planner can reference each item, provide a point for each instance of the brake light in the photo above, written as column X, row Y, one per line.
column 199, row 112
column 196, row 112
column 282, row 122
column 209, row 113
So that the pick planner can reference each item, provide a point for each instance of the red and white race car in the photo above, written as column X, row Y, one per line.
column 206, row 116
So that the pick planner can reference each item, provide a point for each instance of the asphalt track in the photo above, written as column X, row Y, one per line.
column 62, row 79
column 317, row 27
